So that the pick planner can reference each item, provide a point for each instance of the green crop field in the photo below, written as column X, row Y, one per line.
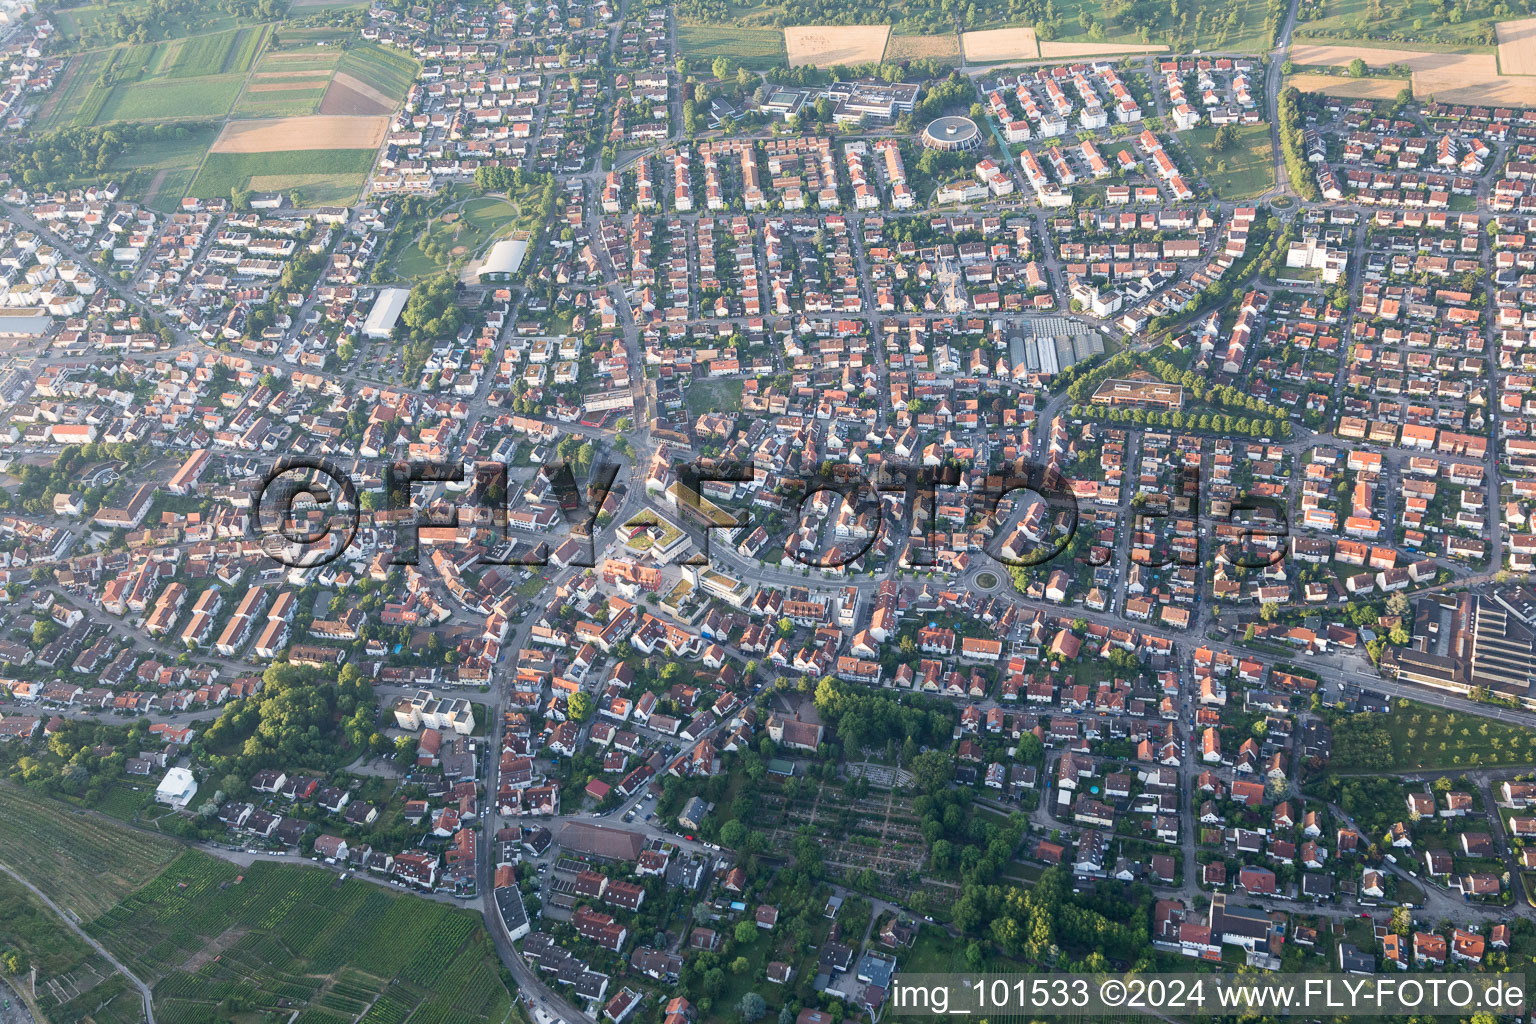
column 85, row 863
column 204, row 55
column 756, row 49
column 285, row 938
column 78, row 83
column 172, row 98
column 389, row 72
column 294, row 99
column 1241, row 172
column 222, row 172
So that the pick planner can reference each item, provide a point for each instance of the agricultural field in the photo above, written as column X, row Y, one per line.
column 1349, row 88
column 325, row 176
column 1000, row 44
column 1242, row 172
column 306, row 79
column 1517, row 46
column 85, row 863
column 295, row 938
column 756, row 49
column 941, row 46
column 171, row 99
column 825, row 45
column 1448, row 77
column 180, row 79
column 1068, row 51
column 291, row 134
column 384, row 71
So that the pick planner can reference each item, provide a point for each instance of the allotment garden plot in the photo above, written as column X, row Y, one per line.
column 878, row 832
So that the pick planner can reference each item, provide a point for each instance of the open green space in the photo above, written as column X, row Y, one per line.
column 162, row 170
column 756, row 49
column 73, row 983
column 1238, row 26
column 1422, row 24
column 714, row 396
column 280, row 938
column 83, row 861
column 1414, row 735
column 30, row 927
column 338, row 169
column 1242, row 171
column 458, row 236
column 107, row 23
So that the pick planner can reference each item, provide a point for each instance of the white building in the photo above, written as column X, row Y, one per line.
column 387, row 308
column 426, row 711
column 177, row 788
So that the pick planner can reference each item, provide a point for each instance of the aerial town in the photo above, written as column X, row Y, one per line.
column 673, row 512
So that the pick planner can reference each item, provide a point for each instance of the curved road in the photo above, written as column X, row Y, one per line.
column 149, row 1005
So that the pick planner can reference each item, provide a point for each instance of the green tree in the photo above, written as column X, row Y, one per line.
column 580, row 705
column 933, row 770
column 1225, row 138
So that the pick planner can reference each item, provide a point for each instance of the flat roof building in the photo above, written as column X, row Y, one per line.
column 1140, row 394
column 386, row 310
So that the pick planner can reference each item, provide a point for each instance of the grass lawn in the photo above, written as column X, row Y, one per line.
column 714, row 396
column 1250, row 166
column 335, row 168
column 287, row 937
column 756, row 49
column 86, row 864
column 1422, row 28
